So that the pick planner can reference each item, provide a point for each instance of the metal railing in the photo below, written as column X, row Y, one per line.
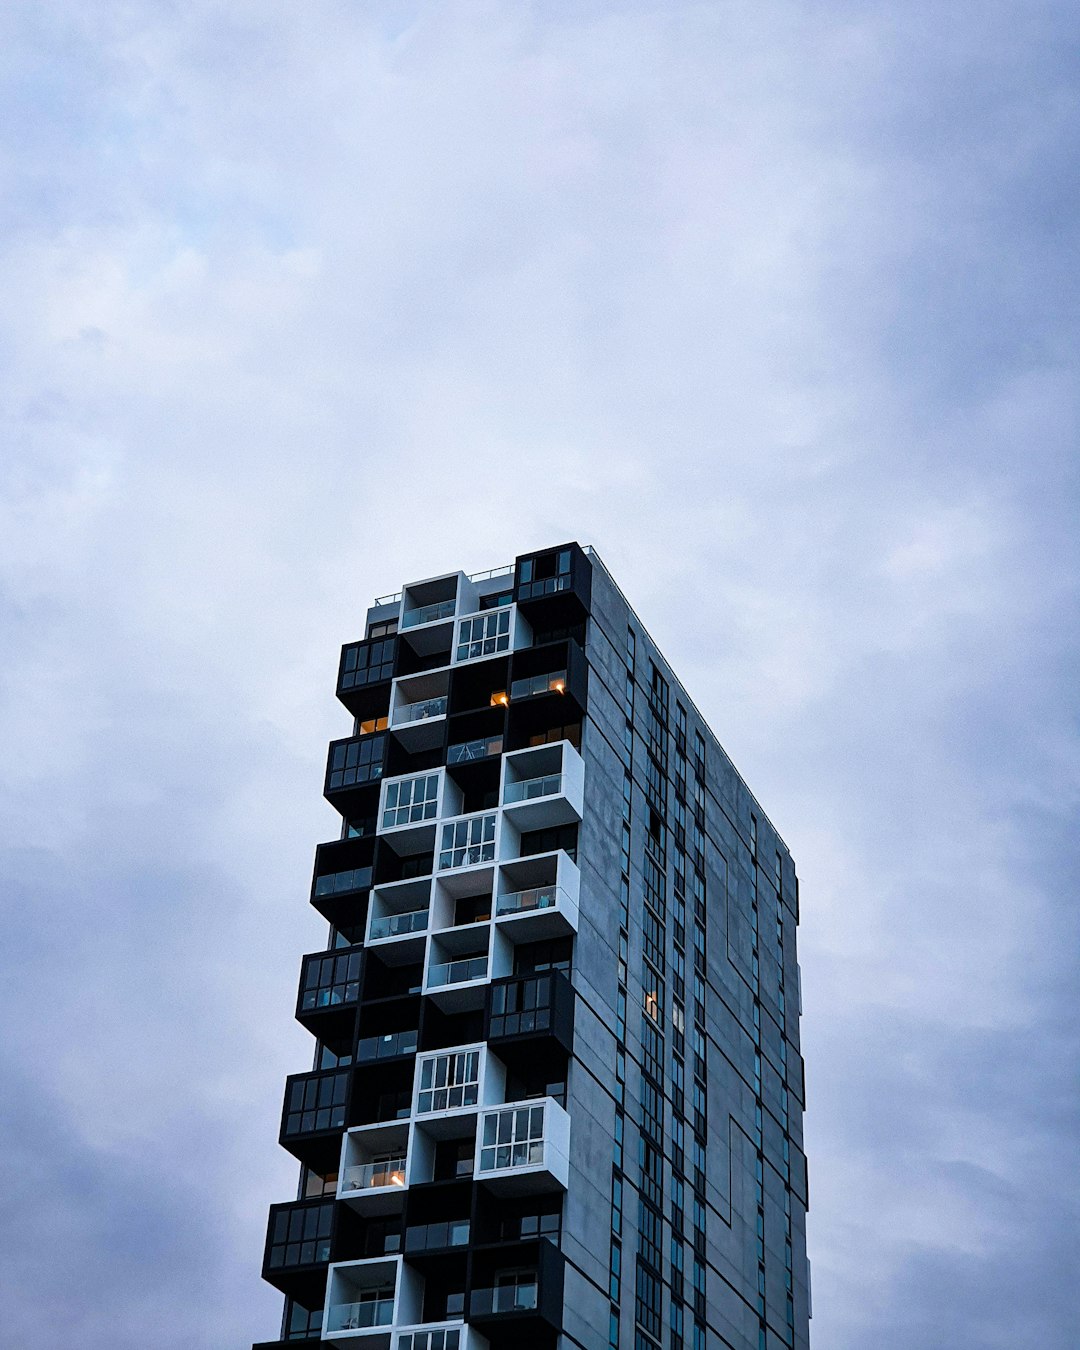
column 469, row 751
column 442, row 609
column 527, row 789
column 525, row 902
column 386, row 1047
column 377, row 1311
column 368, row 1176
column 456, row 972
column 418, row 712
column 400, row 925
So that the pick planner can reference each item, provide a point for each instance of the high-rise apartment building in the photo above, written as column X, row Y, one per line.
column 557, row 1094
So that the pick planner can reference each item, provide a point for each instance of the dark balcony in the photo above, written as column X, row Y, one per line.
column 299, row 1238
column 517, row 1292
column 352, row 766
column 314, row 1115
column 329, row 994
column 364, row 676
column 344, row 869
column 554, row 588
column 525, row 1009
column 548, row 694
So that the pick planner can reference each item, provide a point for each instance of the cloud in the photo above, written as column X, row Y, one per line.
column 775, row 306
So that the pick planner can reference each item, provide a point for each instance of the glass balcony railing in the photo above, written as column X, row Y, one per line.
column 505, row 1298
column 470, row 751
column 456, row 972
column 334, row 883
column 527, row 789
column 525, row 902
column 400, row 925
column 443, row 609
column 377, row 1311
column 386, row 1047
column 430, row 1338
column 370, row 1176
column 451, row 1233
column 420, row 712
column 539, row 684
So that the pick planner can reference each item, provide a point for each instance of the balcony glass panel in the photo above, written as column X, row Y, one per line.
column 513, row 1138
column 539, row 684
column 449, row 1081
column 468, row 842
column 451, row 1233
column 456, row 972
column 301, row 1236
column 373, row 1310
column 444, row 609
column 386, row 1047
column 413, row 799
column 434, row 1338
column 357, row 761
column 484, row 635
column 370, row 1176
column 468, row 751
column 524, row 902
column 333, row 883
column 419, row 712
column 512, row 1293
column 366, row 663
column 399, row 925
column 316, row 1103
column 528, row 788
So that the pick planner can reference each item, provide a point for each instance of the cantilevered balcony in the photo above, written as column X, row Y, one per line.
column 515, row 1288
column 440, row 1336
column 418, row 710
column 537, row 897
column 451, row 1082
column 329, row 992
column 365, row 1300
column 398, row 920
column 524, row 1147
column 543, row 787
column 374, row 1169
column 299, row 1236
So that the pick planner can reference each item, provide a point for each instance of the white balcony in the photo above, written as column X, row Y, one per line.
column 418, row 709
column 524, row 1147
column 367, row 1300
column 543, row 786
column 373, row 1175
column 537, row 897
column 451, row 1083
column 398, row 920
column 490, row 632
column 458, row 966
column 408, row 808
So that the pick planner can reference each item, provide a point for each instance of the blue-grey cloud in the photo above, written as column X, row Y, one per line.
column 776, row 305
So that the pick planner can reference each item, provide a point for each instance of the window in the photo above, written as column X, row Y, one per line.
column 522, row 1006
column 316, row 1103
column 387, row 628
column 301, row 1236
column 355, row 761
column 648, row 1300
column 545, row 575
column 330, row 980
column 410, row 800
column 367, row 662
column 449, row 1081
column 513, row 1138
column 484, row 635
column 468, row 842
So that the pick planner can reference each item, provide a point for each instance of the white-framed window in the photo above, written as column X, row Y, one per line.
column 411, row 800
column 448, row 1081
column 468, row 842
column 484, row 635
column 512, row 1138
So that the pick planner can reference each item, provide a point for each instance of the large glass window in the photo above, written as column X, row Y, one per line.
column 367, row 663
column 317, row 1103
column 358, row 761
column 468, row 842
column 513, row 1138
column 329, row 980
column 301, row 1236
column 449, row 1081
column 484, row 635
column 411, row 800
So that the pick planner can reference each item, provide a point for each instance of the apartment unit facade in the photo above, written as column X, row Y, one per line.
column 557, row 1090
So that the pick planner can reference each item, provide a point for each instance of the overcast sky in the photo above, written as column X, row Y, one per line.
column 776, row 305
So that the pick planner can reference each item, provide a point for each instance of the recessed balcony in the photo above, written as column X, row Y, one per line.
column 459, row 966
column 537, row 897
column 373, row 1176
column 390, row 1045
column 366, row 1299
column 544, row 786
column 398, row 920
column 524, row 1147
column 418, row 710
